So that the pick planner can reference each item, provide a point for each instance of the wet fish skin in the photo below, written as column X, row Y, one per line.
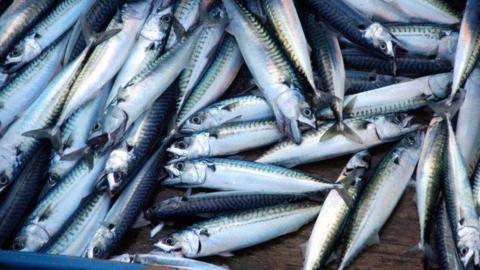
column 226, row 174
column 17, row 20
column 75, row 235
column 374, row 130
column 447, row 250
column 226, row 140
column 237, row 109
column 277, row 81
column 215, row 81
column 429, row 176
column 468, row 47
column 51, row 27
column 382, row 192
column 360, row 81
column 166, row 260
column 215, row 202
column 335, row 213
column 126, row 208
column 400, row 97
column 58, row 205
column 22, row 90
column 22, row 195
column 255, row 226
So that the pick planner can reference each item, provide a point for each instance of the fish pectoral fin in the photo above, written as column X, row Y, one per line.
column 374, row 239
column 345, row 196
column 140, row 222
column 51, row 134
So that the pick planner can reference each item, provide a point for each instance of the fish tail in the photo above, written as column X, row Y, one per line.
column 51, row 134
column 341, row 128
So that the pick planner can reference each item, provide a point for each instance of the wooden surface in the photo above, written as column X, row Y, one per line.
column 399, row 233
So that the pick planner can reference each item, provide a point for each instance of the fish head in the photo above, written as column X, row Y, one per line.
column 111, row 131
column 191, row 147
column 186, row 242
column 136, row 10
column 186, row 173
column 5, row 179
column 158, row 23
column 116, row 169
column 440, row 85
column 411, row 146
column 390, row 126
column 381, row 38
column 23, row 52
column 101, row 243
column 292, row 111
column 32, row 238
column 200, row 121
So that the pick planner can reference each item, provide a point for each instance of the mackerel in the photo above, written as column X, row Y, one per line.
column 22, row 195
column 17, row 20
column 140, row 141
column 55, row 24
column 76, row 233
column 373, row 131
column 283, row 16
column 277, row 80
column 239, row 230
column 468, row 47
column 334, row 214
column 233, row 110
column 166, row 260
column 16, row 146
column 216, row 80
column 400, row 97
column 148, row 46
column 215, row 202
column 382, row 193
column 22, row 90
column 449, row 259
column 429, row 177
column 226, row 140
column 241, row 175
column 58, row 206
column 361, row 81
column 126, row 208
column 202, row 56
column 105, row 61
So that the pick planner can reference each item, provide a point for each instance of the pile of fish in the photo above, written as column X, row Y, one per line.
column 103, row 102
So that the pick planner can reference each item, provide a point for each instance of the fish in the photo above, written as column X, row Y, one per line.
column 104, row 62
column 382, row 193
column 361, row 81
column 140, row 93
column 241, row 175
column 17, row 19
column 335, row 213
column 228, row 111
column 166, row 260
column 148, row 46
column 214, row 236
column 58, row 206
column 140, row 142
column 468, row 47
column 429, row 179
column 460, row 202
column 215, row 202
column 399, row 97
column 447, row 251
column 468, row 125
column 205, row 52
column 126, row 208
column 215, row 81
column 277, row 81
column 283, row 17
column 76, row 233
column 404, row 66
column 23, row 89
column 373, row 130
column 226, row 140
column 356, row 27
column 22, row 195
column 46, row 31
column 328, row 61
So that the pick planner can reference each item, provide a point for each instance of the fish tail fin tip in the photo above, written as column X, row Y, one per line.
column 51, row 134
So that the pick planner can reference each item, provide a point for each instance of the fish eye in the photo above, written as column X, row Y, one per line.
column 196, row 120
column 463, row 251
column 169, row 241
column 180, row 166
column 96, row 251
column 3, row 180
column 15, row 52
column 96, row 126
column 383, row 45
column 410, row 140
column 166, row 19
column 181, row 145
column 307, row 112
column 52, row 180
column 116, row 177
column 18, row 244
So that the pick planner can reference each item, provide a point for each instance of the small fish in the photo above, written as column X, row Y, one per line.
column 449, row 259
column 166, row 260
